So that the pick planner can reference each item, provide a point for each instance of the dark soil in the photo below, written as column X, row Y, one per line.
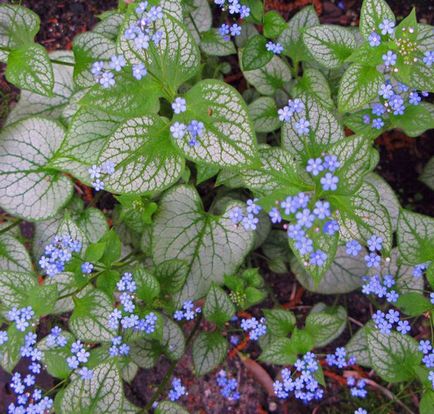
column 402, row 160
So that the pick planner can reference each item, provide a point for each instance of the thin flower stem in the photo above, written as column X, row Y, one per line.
column 171, row 369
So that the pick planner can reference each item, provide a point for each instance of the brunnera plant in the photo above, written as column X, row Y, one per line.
column 196, row 178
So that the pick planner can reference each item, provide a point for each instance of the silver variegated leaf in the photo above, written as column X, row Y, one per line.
column 14, row 287
column 263, row 113
column 29, row 187
column 228, row 139
column 14, row 255
column 89, row 320
column 427, row 176
column 373, row 12
column 144, row 156
column 315, row 84
column 101, row 394
column 199, row 19
column 324, row 131
column 211, row 246
column 329, row 45
column 213, row 44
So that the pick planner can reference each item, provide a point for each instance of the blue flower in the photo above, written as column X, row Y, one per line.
column 236, row 215
column 254, row 328
column 414, row 98
column 290, row 205
column 366, row 119
column 322, row 209
column 403, row 327
column 178, row 130
column 244, row 12
column 250, row 222
column 275, row 215
column 276, row 48
column 177, row 390
column 428, row 58
column 331, row 227
column 387, row 27
column 378, row 109
column 179, row 105
column 302, row 127
column 431, row 296
column 285, row 114
column 318, row 258
column 374, row 39
column 353, row 248
column 87, row 267
column 305, row 218
column 378, row 123
column 372, row 260
column 386, row 91
column 235, row 30
column 375, row 243
column 228, row 386
column 117, row 63
column 389, row 58
column 107, row 80
column 329, row 182
column 252, row 207
column 295, row 232
column 360, row 411
column 314, row 166
column 425, row 346
column 139, row 71
column 85, row 373
column 331, row 163
column 304, row 245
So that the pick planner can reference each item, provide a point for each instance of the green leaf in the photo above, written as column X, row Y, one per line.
column 102, row 394
column 14, row 288
column 55, row 358
column 42, row 299
column 29, row 188
column 29, row 68
column 218, row 307
column 31, row 103
column 229, row 139
column 314, row 83
column 148, row 287
column 373, row 12
column 359, row 86
column 388, row 197
column 144, row 155
column 354, row 121
column 88, row 48
column 357, row 346
column 414, row 304
column 175, row 59
column 393, row 356
column 14, row 255
column 415, row 237
column 213, row 44
column 427, row 402
column 324, row 131
column 280, row 322
column 427, row 176
column 269, row 78
column 113, row 248
column 199, row 19
column 279, row 351
column 343, row 276
column 291, row 38
column 85, row 140
column 128, row 98
column 325, row 324
column 362, row 215
column 416, row 119
column 212, row 246
column 302, row 341
column 109, row 25
column 277, row 175
column 10, row 352
column 263, row 113
column 329, row 45
column 66, row 284
column 421, row 77
column 145, row 353
column 167, row 407
column 88, row 322
column 209, row 351
column 171, row 274
column 18, row 26
column 205, row 172
column 173, row 340
column 274, row 24
column 354, row 155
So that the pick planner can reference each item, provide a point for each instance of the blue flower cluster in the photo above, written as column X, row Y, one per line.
column 79, row 357
column 177, row 390
column 58, row 253
column 302, row 382
column 125, row 318
column 295, row 106
column 29, row 398
column 87, row 268
column 55, row 339
column 419, row 270
column 235, row 7
column 254, row 328
column 250, row 220
column 96, row 172
column 340, row 359
column 427, row 349
column 357, row 387
column 21, row 317
column 188, row 312
column 393, row 95
column 276, row 48
column 228, row 386
column 142, row 33
column 386, row 321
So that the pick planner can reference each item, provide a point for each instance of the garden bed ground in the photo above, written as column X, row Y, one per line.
column 402, row 160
